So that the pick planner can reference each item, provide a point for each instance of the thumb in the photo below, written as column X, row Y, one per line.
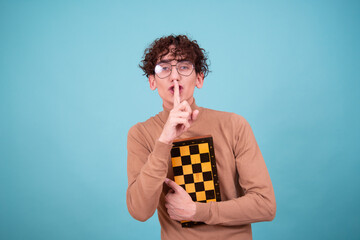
column 172, row 184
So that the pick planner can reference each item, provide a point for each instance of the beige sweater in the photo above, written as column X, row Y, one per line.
column 246, row 190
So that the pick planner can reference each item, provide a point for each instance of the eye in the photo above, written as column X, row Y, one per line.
column 158, row 69
column 163, row 67
column 184, row 67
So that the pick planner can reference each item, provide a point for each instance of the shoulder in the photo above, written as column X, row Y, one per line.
column 223, row 116
column 141, row 126
column 146, row 128
column 229, row 122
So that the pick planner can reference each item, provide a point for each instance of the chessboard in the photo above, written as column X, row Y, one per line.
column 194, row 166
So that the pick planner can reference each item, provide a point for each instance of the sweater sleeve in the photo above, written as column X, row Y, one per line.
column 258, row 203
column 146, row 174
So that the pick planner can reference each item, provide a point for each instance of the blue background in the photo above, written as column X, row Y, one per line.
column 71, row 89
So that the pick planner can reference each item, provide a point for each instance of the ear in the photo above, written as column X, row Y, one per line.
column 152, row 82
column 199, row 80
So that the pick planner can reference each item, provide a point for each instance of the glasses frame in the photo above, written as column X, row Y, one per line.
column 175, row 65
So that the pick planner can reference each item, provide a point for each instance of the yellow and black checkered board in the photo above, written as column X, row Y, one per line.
column 194, row 167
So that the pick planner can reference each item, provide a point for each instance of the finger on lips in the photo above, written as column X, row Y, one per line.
column 176, row 94
column 181, row 114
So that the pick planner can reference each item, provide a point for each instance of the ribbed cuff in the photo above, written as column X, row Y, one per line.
column 202, row 212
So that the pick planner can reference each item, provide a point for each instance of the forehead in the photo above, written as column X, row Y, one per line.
column 171, row 54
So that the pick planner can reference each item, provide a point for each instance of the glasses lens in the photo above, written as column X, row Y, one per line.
column 163, row 70
column 185, row 68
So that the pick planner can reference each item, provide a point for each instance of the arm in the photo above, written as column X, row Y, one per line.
column 258, row 203
column 146, row 174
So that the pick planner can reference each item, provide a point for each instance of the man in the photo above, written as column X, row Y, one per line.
column 174, row 66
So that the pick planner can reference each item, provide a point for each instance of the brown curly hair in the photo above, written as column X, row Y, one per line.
column 184, row 48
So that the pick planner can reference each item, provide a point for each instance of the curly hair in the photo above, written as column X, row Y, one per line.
column 184, row 48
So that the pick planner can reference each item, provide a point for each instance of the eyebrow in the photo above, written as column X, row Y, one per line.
column 166, row 61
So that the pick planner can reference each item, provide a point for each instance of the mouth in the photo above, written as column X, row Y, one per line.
column 171, row 89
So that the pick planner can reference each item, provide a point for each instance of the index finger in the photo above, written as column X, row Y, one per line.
column 176, row 94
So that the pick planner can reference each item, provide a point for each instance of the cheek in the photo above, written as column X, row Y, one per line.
column 162, row 90
column 161, row 87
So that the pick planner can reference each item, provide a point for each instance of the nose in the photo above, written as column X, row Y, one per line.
column 174, row 75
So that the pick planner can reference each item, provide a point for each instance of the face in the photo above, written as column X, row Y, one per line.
column 165, row 86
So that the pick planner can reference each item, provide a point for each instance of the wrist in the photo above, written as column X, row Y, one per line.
column 164, row 140
column 193, row 211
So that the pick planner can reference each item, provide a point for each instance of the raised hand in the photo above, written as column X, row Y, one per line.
column 180, row 118
column 178, row 202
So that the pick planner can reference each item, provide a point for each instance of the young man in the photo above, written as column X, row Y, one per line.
column 176, row 65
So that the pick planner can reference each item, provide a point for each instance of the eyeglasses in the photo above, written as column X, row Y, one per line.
column 184, row 68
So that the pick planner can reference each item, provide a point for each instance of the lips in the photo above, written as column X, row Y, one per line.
column 171, row 89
